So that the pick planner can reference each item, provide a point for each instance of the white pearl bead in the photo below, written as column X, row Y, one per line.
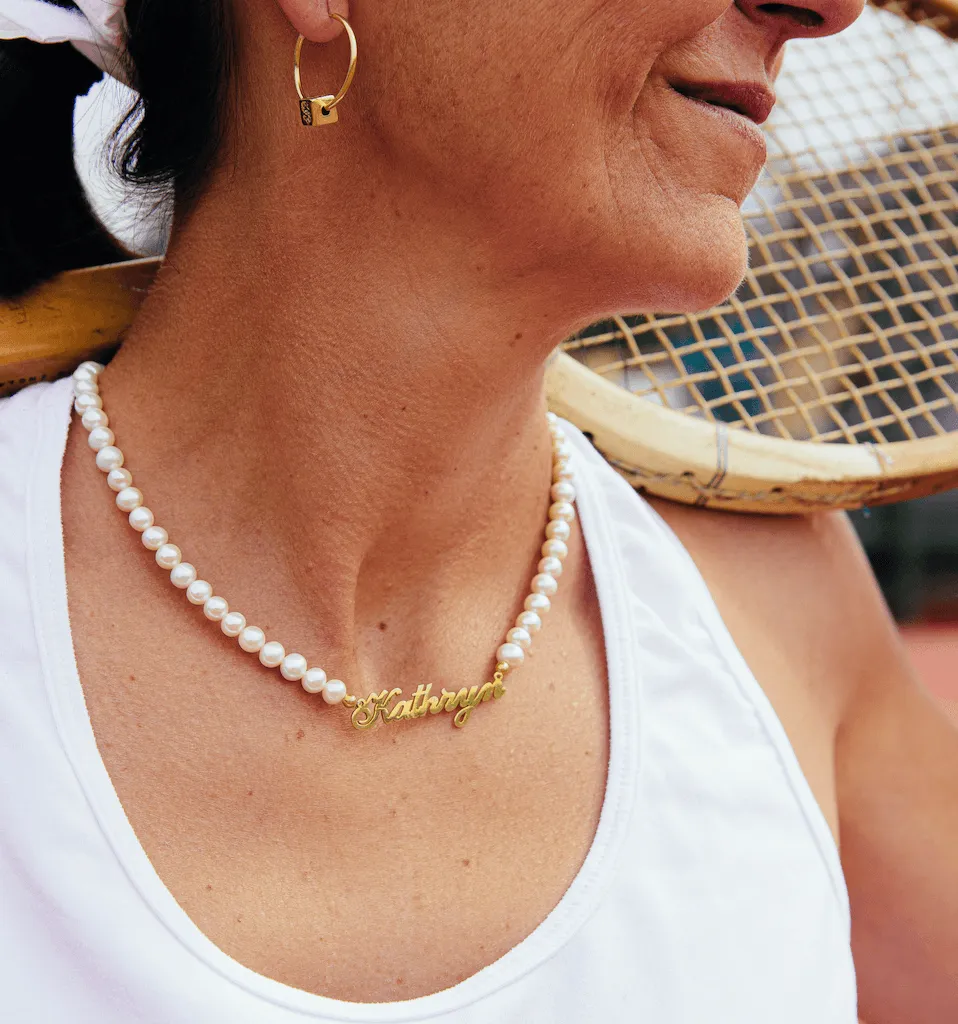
column 293, row 667
column 167, row 555
column 141, row 518
column 562, row 510
column 544, row 584
column 563, row 491
column 334, row 691
column 90, row 366
column 314, row 681
column 520, row 636
column 511, row 654
column 272, row 653
column 252, row 639
column 550, row 565
column 562, row 471
column 554, row 549
column 552, row 418
column 100, row 437
column 558, row 529
column 94, row 418
column 233, row 623
column 116, row 478
column 109, row 459
column 537, row 603
column 85, row 386
column 83, row 373
column 129, row 498
column 154, row 537
column 83, row 402
column 182, row 575
column 529, row 621
column 199, row 592
column 216, row 609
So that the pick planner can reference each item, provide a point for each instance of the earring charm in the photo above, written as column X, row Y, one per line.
column 318, row 110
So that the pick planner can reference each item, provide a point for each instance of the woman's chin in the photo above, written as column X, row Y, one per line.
column 716, row 262
column 695, row 270
column 710, row 285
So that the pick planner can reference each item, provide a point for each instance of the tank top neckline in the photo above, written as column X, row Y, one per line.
column 48, row 596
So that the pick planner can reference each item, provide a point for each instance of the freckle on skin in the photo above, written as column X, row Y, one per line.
column 466, row 862
column 249, row 792
column 132, row 678
column 300, row 734
column 209, row 888
column 383, row 627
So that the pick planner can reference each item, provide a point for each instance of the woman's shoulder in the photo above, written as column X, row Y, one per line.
column 796, row 590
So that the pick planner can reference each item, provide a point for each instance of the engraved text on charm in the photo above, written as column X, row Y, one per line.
column 457, row 702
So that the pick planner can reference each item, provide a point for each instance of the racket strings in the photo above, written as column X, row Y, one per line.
column 846, row 326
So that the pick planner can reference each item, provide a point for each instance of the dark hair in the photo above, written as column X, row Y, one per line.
column 181, row 52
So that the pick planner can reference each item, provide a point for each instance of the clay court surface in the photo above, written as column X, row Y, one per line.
column 934, row 652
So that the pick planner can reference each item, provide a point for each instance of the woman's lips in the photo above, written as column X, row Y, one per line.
column 750, row 99
column 739, row 107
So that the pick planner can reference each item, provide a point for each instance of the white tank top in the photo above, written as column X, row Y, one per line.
column 712, row 892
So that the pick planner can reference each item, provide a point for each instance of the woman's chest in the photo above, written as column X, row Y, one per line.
column 367, row 866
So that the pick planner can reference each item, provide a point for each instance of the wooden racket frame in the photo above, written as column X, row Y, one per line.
column 78, row 315
column 697, row 462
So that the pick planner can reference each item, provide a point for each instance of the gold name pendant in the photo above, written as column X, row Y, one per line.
column 390, row 706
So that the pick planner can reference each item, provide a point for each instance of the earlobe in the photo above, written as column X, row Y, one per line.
column 314, row 18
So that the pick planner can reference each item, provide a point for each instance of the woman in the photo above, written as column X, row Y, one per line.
column 332, row 401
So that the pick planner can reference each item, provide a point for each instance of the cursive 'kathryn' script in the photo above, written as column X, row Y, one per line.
column 390, row 706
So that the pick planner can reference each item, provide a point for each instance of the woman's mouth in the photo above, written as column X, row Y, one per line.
column 749, row 99
column 739, row 106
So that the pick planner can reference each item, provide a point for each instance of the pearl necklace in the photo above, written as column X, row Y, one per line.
column 389, row 704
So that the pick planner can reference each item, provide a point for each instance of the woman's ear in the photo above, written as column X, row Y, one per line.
column 313, row 18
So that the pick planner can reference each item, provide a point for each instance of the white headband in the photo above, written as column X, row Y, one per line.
column 97, row 28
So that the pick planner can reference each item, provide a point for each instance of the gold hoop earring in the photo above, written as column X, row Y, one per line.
column 319, row 110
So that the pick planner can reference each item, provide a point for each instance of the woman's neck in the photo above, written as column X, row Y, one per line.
column 340, row 407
